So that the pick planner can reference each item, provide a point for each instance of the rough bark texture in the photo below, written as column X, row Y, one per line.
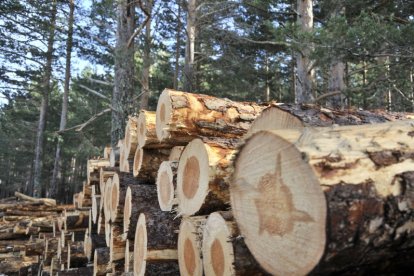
column 183, row 116
column 147, row 162
column 101, row 264
column 46, row 88
column 304, row 72
column 122, row 97
column 143, row 198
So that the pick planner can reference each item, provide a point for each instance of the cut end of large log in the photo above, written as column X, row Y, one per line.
column 140, row 246
column 146, row 131
column 165, row 186
column 189, row 249
column 218, row 255
column 163, row 115
column 279, row 205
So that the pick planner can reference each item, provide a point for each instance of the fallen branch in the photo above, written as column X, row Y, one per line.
column 93, row 92
column 139, row 29
column 45, row 201
column 80, row 127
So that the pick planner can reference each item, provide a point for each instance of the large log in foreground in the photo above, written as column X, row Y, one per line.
column 202, row 178
column 326, row 199
column 183, row 116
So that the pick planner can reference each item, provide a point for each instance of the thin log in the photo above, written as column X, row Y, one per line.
column 166, row 185
column 45, row 201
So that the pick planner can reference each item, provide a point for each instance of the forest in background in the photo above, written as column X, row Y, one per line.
column 72, row 71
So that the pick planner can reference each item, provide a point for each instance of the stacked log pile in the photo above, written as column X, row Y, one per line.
column 208, row 186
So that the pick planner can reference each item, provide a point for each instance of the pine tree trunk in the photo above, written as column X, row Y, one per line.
column 304, row 72
column 122, row 97
column 146, row 58
column 46, row 87
column 56, row 168
column 177, row 47
column 190, row 45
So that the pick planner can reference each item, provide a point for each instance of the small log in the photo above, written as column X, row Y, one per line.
column 138, row 199
column 96, row 201
column 107, row 200
column 166, row 185
column 104, row 174
column 155, row 245
column 147, row 162
column 45, row 201
column 347, row 191
column 51, row 249
column 101, row 263
column 129, row 256
column 224, row 251
column 130, row 139
column 76, row 255
column 84, row 271
column 114, row 157
column 12, row 266
column 189, row 245
column 35, row 248
column 147, row 136
column 92, row 169
column 78, row 220
column 181, row 117
column 202, row 178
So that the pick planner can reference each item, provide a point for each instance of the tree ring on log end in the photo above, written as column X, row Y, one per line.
column 127, row 210
column 218, row 255
column 114, row 197
column 137, row 161
column 189, row 253
column 142, row 129
column 192, row 178
column 163, row 115
column 140, row 246
column 165, row 186
column 279, row 205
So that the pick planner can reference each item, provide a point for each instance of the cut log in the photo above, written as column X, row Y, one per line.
column 175, row 153
column 107, row 152
column 93, row 167
column 288, row 116
column 129, row 256
column 83, row 271
column 51, row 249
column 101, row 264
column 120, row 183
column 92, row 242
column 107, row 200
column 117, row 243
column 96, row 201
column 12, row 266
column 166, row 185
column 138, row 199
column 147, row 136
column 147, row 162
column 202, row 178
column 35, row 248
column 131, row 137
column 79, row 220
column 104, row 174
column 114, row 157
column 76, row 255
column 224, row 250
column 189, row 245
column 348, row 192
column 155, row 245
column 45, row 201
column 183, row 116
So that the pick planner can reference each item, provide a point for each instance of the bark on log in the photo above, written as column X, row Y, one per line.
column 166, row 185
column 76, row 255
column 96, row 203
column 120, row 183
column 183, row 116
column 117, row 243
column 147, row 162
column 189, row 245
column 155, row 243
column 83, row 271
column 202, row 178
column 287, row 116
column 12, row 266
column 347, row 191
column 138, row 199
column 92, row 242
column 107, row 200
column 45, row 201
column 76, row 221
column 224, row 250
column 129, row 256
column 131, row 138
column 92, row 169
column 35, row 248
column 101, row 264
column 147, row 136
column 114, row 157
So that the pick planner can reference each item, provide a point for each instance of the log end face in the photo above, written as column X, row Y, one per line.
column 192, row 178
column 137, row 161
column 163, row 115
column 278, row 203
column 127, row 210
column 141, row 131
column 165, row 186
column 140, row 246
column 189, row 259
